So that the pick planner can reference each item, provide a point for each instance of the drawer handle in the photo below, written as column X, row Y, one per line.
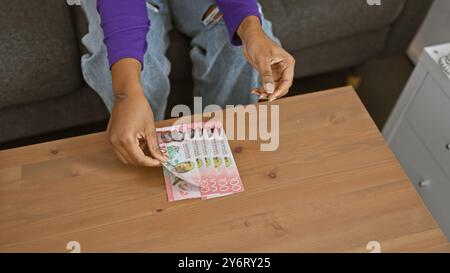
column 448, row 147
column 424, row 183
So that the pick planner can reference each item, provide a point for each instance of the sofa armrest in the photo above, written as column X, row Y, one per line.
column 406, row 26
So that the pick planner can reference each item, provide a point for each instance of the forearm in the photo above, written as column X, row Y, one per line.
column 250, row 26
column 126, row 77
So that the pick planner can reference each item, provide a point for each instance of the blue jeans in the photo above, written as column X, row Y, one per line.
column 221, row 73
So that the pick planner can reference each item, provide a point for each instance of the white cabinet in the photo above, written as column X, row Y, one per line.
column 418, row 132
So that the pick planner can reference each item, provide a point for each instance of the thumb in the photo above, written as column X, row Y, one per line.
column 265, row 72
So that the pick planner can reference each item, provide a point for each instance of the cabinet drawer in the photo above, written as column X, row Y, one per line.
column 429, row 115
column 428, row 179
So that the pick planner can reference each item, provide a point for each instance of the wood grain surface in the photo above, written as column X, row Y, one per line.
column 333, row 185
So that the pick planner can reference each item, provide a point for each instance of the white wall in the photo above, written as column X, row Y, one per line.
column 435, row 29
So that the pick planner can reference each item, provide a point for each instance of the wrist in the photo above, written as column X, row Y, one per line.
column 249, row 27
column 132, row 93
column 126, row 76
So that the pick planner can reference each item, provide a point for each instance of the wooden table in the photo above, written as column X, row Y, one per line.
column 333, row 185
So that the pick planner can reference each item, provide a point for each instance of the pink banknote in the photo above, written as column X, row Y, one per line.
column 200, row 164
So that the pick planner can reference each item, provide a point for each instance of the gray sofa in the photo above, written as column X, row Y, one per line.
column 42, row 90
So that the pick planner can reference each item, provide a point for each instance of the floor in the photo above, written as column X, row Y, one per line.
column 378, row 83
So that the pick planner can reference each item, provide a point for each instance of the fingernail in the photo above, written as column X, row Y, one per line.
column 269, row 88
column 261, row 97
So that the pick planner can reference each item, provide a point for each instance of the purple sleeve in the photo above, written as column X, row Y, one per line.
column 125, row 25
column 234, row 12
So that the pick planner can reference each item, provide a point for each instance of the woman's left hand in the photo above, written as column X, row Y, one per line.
column 274, row 64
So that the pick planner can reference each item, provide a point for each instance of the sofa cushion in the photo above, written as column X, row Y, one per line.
column 67, row 111
column 339, row 54
column 39, row 52
column 306, row 23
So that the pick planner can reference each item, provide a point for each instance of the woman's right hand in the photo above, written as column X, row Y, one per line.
column 132, row 119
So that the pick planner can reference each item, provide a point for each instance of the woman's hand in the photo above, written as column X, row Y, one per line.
column 274, row 64
column 132, row 118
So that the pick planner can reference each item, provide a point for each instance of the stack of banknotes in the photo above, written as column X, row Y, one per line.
column 201, row 164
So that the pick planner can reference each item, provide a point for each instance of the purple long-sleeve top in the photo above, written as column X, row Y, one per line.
column 125, row 24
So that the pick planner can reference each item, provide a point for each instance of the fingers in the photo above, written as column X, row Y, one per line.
column 286, row 65
column 153, row 146
column 265, row 72
column 118, row 150
column 128, row 151
column 122, row 157
column 282, row 67
column 137, row 155
column 287, row 77
column 260, row 93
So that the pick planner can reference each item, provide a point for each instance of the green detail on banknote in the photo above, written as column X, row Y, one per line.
column 172, row 151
